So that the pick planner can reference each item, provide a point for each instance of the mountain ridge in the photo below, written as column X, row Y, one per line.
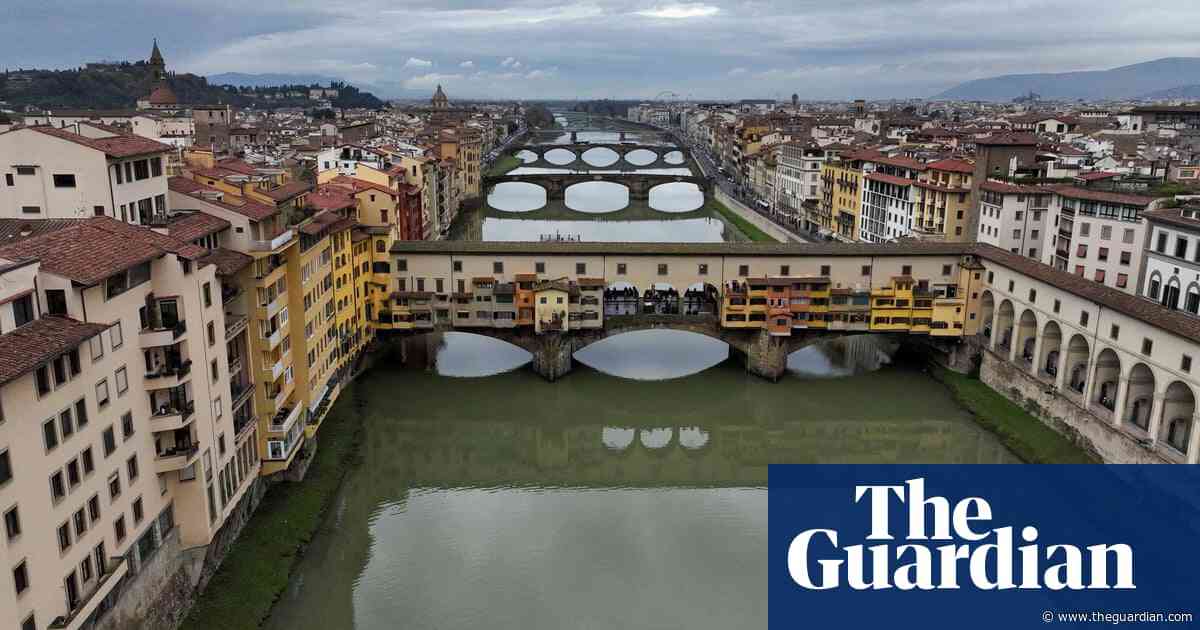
column 1130, row 81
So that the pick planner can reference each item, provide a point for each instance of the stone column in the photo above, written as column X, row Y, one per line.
column 552, row 355
column 1060, row 380
column 1156, row 412
column 1193, row 455
column 1035, row 364
column 766, row 356
column 1119, row 407
column 1013, row 349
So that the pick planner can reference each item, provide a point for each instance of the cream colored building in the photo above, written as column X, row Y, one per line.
column 117, row 434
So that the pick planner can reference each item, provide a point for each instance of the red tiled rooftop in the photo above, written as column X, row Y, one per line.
column 193, row 225
column 227, row 261
column 91, row 250
column 890, row 179
column 248, row 208
column 288, row 190
column 39, row 341
column 115, row 146
column 956, row 166
column 1088, row 194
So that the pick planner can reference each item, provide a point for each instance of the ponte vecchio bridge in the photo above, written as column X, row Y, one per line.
column 1041, row 336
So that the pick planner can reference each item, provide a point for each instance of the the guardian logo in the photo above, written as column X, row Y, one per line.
column 965, row 526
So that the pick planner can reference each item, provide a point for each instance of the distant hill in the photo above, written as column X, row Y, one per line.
column 1183, row 92
column 102, row 86
column 1117, row 83
column 120, row 85
column 241, row 79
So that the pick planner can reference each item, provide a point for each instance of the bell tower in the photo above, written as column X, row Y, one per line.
column 158, row 67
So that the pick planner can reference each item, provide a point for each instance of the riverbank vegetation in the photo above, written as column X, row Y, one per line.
column 259, row 564
column 1026, row 436
column 745, row 227
column 502, row 165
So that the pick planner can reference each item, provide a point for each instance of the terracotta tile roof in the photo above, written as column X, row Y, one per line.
column 1008, row 139
column 1174, row 216
column 952, row 165
column 91, row 250
column 37, row 342
column 329, row 198
column 288, row 190
column 1073, row 192
column 163, row 95
column 900, row 161
column 13, row 230
column 116, row 146
column 359, row 185
column 246, row 207
column 890, row 179
column 237, row 166
column 1096, row 176
column 227, row 261
column 1010, row 189
column 193, row 225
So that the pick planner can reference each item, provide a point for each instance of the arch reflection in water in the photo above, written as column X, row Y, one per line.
column 845, row 356
column 526, row 156
column 686, row 230
column 559, row 156
column 517, row 197
column 597, row 197
column 617, row 438
column 641, row 157
column 467, row 355
column 673, row 157
column 654, row 354
column 601, row 156
column 693, row 437
column 676, row 197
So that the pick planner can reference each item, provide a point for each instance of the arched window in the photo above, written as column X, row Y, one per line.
column 1155, row 286
column 1191, row 303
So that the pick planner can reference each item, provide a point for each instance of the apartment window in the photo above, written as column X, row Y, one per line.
column 93, row 507
column 58, row 489
column 1127, row 236
column 114, row 486
column 8, row 179
column 119, row 528
column 96, row 345
column 1085, row 229
column 216, row 371
column 1083, row 318
column 1114, row 332
column 1181, row 245
column 580, row 268
column 64, row 537
column 50, row 435
column 702, row 269
column 22, row 308
column 5, row 467
column 1125, row 258
column 1147, row 346
column 1102, row 254
column 21, row 578
column 206, row 293
column 88, row 461
column 824, row 270
column 497, row 267
column 141, row 170
column 102, row 393
column 31, row 210
column 64, row 180
column 110, row 441
column 1033, row 295
column 116, row 336
column 73, row 477
column 457, row 266
column 1185, row 364
column 85, row 569
column 221, row 444
column 1057, row 305
column 620, row 269
column 1011, row 286
column 56, row 301
column 1161, row 246
column 1099, row 276
column 138, row 511
column 127, row 425
column 12, row 523
column 1122, row 280
column 1033, row 252
column 211, row 330
column 81, row 524
column 121, row 376
column 131, row 467
column 662, row 269
column 156, row 167
column 1017, row 234
column 991, row 277
column 743, row 270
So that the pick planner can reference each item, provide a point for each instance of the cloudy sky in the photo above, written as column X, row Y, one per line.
column 547, row 48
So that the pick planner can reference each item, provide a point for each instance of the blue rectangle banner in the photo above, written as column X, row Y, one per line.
column 992, row 546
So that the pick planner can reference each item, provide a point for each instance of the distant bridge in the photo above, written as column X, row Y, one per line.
column 639, row 184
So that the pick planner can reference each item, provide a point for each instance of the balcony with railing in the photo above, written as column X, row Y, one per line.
column 168, row 369
column 272, row 241
column 177, row 456
column 234, row 325
column 172, row 417
column 83, row 605
column 162, row 323
column 285, row 419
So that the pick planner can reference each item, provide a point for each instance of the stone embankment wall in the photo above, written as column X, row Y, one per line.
column 1086, row 430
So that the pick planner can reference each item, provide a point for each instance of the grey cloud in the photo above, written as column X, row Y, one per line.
column 874, row 48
